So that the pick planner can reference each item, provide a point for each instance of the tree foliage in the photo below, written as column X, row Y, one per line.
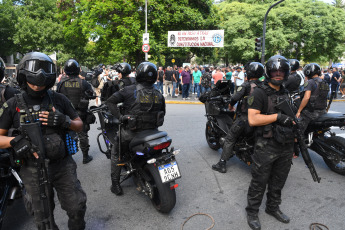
column 307, row 30
column 115, row 28
column 8, row 20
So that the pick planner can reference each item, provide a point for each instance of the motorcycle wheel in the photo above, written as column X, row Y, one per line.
column 211, row 137
column 162, row 197
column 339, row 144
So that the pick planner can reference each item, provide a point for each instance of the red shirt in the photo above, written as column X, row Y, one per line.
column 217, row 76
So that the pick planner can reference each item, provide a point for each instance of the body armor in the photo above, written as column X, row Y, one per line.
column 281, row 134
column 72, row 88
column 244, row 106
column 318, row 97
column 147, row 108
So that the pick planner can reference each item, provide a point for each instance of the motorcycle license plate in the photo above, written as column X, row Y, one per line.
column 169, row 172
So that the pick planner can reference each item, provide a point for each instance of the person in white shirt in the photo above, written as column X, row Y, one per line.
column 240, row 78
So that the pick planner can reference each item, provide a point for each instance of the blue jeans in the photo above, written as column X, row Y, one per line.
column 204, row 90
column 197, row 89
column 160, row 86
column 185, row 90
column 175, row 86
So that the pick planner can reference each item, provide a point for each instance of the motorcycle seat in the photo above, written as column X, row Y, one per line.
column 330, row 117
column 147, row 135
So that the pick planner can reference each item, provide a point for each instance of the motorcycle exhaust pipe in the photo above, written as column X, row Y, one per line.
column 13, row 193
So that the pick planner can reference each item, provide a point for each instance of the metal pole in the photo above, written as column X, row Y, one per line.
column 146, row 54
column 264, row 32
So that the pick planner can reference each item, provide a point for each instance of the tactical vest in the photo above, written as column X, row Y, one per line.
column 2, row 93
column 147, row 108
column 281, row 134
column 72, row 88
column 53, row 139
column 244, row 103
column 318, row 97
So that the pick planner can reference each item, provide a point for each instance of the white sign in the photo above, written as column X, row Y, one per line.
column 196, row 38
column 146, row 39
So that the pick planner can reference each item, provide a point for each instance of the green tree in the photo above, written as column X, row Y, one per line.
column 37, row 27
column 8, row 19
column 307, row 30
column 112, row 30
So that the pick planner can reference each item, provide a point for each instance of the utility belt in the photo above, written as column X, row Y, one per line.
column 145, row 121
column 283, row 135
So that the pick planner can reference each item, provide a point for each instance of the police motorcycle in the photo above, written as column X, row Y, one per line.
column 150, row 162
column 11, row 185
column 318, row 136
column 220, row 119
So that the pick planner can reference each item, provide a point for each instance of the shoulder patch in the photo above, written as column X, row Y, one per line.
column 1, row 111
column 250, row 100
column 239, row 89
column 305, row 83
column 5, row 105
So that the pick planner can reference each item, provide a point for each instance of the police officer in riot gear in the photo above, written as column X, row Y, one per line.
column 254, row 71
column 314, row 96
column 144, row 105
column 294, row 80
column 274, row 142
column 79, row 92
column 36, row 75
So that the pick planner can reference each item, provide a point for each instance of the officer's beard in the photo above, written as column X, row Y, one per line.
column 277, row 82
column 35, row 94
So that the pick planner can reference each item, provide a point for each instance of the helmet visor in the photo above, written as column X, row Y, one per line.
column 35, row 65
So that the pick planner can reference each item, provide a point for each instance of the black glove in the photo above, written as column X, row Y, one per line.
column 124, row 118
column 22, row 147
column 58, row 119
column 284, row 120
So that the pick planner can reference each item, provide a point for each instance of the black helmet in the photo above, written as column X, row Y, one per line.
column 294, row 64
column 72, row 67
column 2, row 69
column 311, row 69
column 255, row 70
column 275, row 63
column 123, row 68
column 146, row 72
column 37, row 69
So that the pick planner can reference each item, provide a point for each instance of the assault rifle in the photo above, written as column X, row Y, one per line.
column 31, row 128
column 285, row 107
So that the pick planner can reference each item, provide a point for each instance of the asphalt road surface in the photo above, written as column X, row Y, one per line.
column 200, row 190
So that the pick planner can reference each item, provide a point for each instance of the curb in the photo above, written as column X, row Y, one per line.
column 184, row 102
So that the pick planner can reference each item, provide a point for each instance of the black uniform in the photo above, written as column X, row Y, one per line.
column 62, row 167
column 143, row 102
column 77, row 91
column 293, row 82
column 272, row 152
column 241, row 122
column 317, row 103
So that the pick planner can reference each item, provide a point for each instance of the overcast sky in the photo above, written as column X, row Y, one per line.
column 327, row 1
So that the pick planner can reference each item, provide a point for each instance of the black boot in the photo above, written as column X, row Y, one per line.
column 279, row 215
column 253, row 222
column 87, row 159
column 116, row 188
column 220, row 166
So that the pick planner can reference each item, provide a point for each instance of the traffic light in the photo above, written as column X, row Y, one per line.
column 258, row 44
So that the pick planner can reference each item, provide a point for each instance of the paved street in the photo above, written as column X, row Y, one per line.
column 201, row 190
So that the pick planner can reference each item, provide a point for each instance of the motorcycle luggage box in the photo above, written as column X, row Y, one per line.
column 147, row 136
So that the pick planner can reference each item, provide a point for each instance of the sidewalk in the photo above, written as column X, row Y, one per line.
column 178, row 100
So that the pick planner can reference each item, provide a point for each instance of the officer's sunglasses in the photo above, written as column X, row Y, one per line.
column 35, row 65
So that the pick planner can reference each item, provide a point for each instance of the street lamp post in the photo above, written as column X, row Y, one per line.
column 264, row 32
column 146, row 54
